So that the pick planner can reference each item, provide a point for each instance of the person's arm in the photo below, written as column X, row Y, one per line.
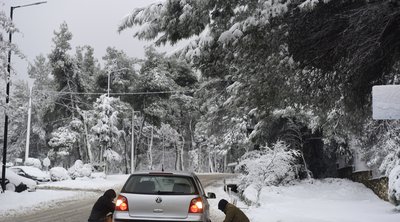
column 110, row 206
column 230, row 213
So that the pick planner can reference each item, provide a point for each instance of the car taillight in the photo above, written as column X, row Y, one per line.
column 196, row 205
column 121, row 204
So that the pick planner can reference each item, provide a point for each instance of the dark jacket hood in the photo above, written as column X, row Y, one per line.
column 222, row 204
column 110, row 194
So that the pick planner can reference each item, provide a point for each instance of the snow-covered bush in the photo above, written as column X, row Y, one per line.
column 112, row 156
column 33, row 162
column 394, row 186
column 268, row 166
column 58, row 174
column 80, row 170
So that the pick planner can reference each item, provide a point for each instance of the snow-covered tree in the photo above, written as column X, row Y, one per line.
column 169, row 138
column 62, row 143
column 380, row 145
column 244, row 52
column 106, row 120
column 43, row 98
column 17, row 125
column 87, row 72
column 6, row 26
column 268, row 166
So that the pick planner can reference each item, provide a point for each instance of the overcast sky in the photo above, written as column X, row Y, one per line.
column 92, row 22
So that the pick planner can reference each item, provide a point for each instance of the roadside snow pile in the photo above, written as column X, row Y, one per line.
column 328, row 200
column 394, row 186
column 58, row 174
column 80, row 170
column 26, row 202
column 33, row 162
column 89, row 184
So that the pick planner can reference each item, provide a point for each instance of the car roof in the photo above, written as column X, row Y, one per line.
column 174, row 173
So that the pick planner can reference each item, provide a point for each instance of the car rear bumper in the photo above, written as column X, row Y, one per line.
column 129, row 220
column 125, row 217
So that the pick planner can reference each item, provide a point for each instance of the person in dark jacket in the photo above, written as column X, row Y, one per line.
column 103, row 206
column 232, row 213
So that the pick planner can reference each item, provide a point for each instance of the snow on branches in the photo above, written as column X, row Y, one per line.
column 268, row 166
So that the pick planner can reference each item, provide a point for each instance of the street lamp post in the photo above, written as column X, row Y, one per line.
column 3, row 175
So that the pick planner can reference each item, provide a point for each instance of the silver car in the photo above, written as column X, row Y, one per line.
column 161, row 196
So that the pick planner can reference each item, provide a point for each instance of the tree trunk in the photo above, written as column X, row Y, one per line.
column 89, row 148
column 210, row 162
column 125, row 154
column 163, row 153
column 225, row 162
column 216, row 168
column 199, row 168
column 150, row 156
column 86, row 136
column 191, row 135
column 176, row 157
column 138, row 142
column 181, row 154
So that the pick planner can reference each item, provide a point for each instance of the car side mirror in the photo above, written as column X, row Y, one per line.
column 211, row 195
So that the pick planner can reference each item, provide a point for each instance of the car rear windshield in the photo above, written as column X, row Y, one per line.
column 160, row 185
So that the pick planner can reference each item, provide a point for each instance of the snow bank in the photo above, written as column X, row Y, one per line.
column 13, row 203
column 80, row 170
column 33, row 162
column 329, row 200
column 394, row 186
column 59, row 173
column 89, row 184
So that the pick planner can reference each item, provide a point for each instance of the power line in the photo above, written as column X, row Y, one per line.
column 101, row 93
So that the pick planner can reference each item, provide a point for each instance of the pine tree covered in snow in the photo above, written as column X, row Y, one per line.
column 6, row 26
column 105, row 123
column 250, row 54
column 62, row 142
column 43, row 98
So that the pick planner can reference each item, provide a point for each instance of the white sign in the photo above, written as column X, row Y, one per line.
column 386, row 102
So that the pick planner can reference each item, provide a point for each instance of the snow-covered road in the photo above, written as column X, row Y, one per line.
column 329, row 200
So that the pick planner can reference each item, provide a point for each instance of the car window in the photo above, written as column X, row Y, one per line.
column 200, row 186
column 156, row 184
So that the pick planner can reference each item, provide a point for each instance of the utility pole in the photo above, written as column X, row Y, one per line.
column 28, row 130
column 3, row 174
column 133, row 143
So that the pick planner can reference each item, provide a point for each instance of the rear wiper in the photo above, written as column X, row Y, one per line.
column 165, row 192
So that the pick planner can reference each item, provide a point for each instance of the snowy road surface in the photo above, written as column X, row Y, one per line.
column 329, row 200
column 77, row 209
